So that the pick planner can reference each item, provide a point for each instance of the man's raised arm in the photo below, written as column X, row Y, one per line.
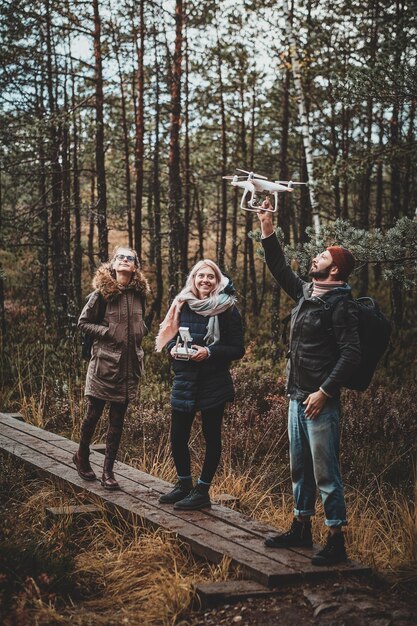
column 290, row 282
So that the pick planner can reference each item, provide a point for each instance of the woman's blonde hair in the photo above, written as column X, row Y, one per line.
column 190, row 282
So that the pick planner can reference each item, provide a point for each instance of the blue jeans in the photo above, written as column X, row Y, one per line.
column 314, row 461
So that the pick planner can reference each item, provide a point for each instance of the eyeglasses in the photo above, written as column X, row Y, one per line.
column 128, row 257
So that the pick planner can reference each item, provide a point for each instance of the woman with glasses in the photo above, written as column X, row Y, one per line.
column 113, row 317
column 206, row 307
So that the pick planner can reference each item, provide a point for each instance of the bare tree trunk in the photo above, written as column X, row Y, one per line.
column 103, row 246
column 140, row 132
column 43, row 253
column 249, row 220
column 77, row 249
column 60, row 296
column 284, row 213
column 397, row 303
column 200, row 223
column 379, row 190
column 66, row 213
column 91, row 224
column 408, row 206
column 125, row 142
column 175, row 190
column 2, row 294
column 235, row 241
column 221, row 251
column 156, row 192
column 303, row 117
column 187, row 168
column 305, row 200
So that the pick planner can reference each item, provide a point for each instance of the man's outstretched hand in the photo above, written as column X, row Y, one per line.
column 265, row 218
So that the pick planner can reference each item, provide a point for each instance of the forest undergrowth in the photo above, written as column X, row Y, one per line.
column 61, row 573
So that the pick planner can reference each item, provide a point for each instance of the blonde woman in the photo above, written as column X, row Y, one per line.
column 113, row 316
column 206, row 306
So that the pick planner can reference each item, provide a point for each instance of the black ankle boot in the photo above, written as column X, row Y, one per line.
column 180, row 491
column 298, row 536
column 333, row 552
column 198, row 498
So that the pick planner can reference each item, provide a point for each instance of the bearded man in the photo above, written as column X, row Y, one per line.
column 319, row 363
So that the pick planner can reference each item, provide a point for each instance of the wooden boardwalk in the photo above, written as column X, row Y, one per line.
column 212, row 533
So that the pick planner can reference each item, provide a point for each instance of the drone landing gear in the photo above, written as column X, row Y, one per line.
column 254, row 204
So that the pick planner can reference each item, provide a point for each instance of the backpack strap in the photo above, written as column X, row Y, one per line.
column 328, row 309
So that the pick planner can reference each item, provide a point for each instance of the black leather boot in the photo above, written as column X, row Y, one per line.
column 333, row 552
column 298, row 536
column 108, row 480
column 180, row 491
column 82, row 463
column 197, row 499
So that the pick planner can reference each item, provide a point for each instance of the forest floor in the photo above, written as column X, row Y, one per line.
column 352, row 602
column 355, row 601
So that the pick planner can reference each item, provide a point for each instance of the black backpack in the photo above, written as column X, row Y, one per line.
column 88, row 340
column 374, row 334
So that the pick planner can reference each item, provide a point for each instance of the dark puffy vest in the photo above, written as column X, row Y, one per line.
column 207, row 384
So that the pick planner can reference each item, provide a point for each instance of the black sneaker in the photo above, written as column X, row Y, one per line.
column 333, row 552
column 298, row 536
column 198, row 498
column 180, row 491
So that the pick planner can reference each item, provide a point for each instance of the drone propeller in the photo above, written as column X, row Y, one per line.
column 234, row 177
column 288, row 182
column 256, row 175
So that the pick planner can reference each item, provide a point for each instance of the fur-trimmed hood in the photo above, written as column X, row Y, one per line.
column 104, row 282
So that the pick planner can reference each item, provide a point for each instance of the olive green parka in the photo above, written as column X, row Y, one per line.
column 116, row 363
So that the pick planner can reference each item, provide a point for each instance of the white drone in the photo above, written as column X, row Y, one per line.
column 258, row 185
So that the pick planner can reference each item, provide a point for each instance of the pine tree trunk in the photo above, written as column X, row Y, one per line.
column 221, row 250
column 77, row 250
column 235, row 241
column 91, row 224
column 60, row 296
column 156, row 192
column 140, row 132
column 66, row 213
column 101, row 206
column 187, row 168
column 125, row 131
column 175, row 188
column 43, row 253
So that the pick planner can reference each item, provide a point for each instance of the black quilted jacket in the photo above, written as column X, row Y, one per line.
column 206, row 384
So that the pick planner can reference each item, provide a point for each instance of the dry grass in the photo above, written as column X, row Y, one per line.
column 120, row 573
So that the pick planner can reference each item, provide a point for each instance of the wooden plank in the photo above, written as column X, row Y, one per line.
column 151, row 482
column 21, row 425
column 154, row 483
column 224, row 522
column 79, row 512
column 205, row 544
column 228, row 592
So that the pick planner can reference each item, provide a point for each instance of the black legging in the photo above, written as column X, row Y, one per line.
column 180, row 434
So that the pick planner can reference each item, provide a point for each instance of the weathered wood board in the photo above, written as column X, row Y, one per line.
column 212, row 533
